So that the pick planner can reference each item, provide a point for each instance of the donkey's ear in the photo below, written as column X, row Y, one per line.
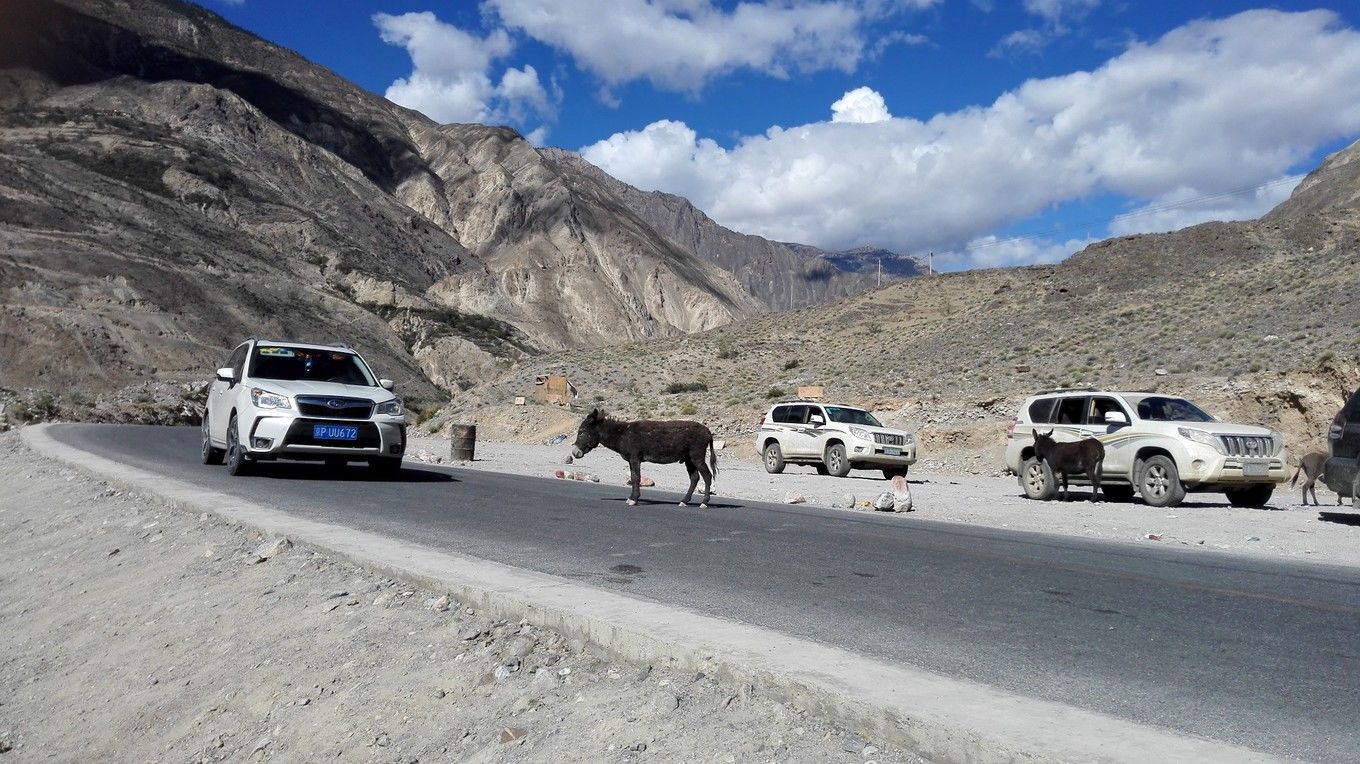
column 1048, row 434
column 1035, row 433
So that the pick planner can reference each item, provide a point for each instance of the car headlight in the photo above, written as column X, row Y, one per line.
column 861, row 433
column 1276, row 443
column 1204, row 438
column 263, row 399
column 393, row 407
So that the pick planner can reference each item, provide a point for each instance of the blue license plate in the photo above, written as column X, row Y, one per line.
column 334, row 432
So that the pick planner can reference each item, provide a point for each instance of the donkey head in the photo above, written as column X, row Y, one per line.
column 588, row 434
column 1043, row 442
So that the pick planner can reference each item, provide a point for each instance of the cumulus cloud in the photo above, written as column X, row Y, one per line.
column 680, row 45
column 1055, row 16
column 452, row 81
column 1213, row 105
column 863, row 105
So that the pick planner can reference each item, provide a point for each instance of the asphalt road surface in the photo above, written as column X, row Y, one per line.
column 1259, row 653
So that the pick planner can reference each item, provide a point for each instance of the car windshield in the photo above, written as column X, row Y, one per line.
column 851, row 416
column 293, row 363
column 1161, row 409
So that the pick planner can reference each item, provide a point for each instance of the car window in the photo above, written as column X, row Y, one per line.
column 293, row 363
column 1071, row 411
column 1101, row 406
column 1159, row 408
column 790, row 414
column 851, row 416
column 1351, row 410
column 815, row 411
column 1041, row 411
column 237, row 362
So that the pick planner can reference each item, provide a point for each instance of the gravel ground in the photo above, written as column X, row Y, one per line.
column 1207, row 521
column 138, row 632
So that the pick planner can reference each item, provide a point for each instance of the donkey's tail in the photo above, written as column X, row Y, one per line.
column 1295, row 479
column 712, row 458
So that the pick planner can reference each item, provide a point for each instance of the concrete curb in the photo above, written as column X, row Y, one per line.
column 942, row 719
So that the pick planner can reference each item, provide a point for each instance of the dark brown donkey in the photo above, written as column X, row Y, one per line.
column 652, row 441
column 1085, row 455
column 1311, row 467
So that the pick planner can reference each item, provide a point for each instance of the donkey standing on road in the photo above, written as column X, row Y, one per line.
column 1082, row 456
column 1311, row 467
column 659, row 442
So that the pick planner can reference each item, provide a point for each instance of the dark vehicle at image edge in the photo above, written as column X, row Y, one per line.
column 1342, row 470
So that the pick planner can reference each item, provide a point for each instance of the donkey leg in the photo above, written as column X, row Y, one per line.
column 635, row 469
column 693, row 481
column 1095, row 479
column 708, row 483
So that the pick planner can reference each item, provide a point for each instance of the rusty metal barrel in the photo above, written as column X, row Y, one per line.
column 463, row 442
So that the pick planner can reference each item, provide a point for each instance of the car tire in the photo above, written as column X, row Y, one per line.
column 1252, row 496
column 1355, row 491
column 1117, row 492
column 821, row 469
column 237, row 463
column 837, row 463
column 1159, row 482
column 892, row 472
column 211, row 454
column 1036, row 480
column 385, row 466
column 774, row 458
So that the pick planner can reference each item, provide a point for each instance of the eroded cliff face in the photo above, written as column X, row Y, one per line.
column 170, row 184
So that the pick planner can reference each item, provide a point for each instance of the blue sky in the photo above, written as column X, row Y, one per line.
column 990, row 132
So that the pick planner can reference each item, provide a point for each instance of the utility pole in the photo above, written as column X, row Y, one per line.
column 880, row 271
column 930, row 266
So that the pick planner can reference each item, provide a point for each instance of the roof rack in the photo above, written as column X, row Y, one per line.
column 1081, row 389
column 796, row 400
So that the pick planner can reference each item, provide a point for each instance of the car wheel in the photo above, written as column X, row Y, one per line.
column 836, row 461
column 1355, row 491
column 211, row 454
column 1160, row 483
column 385, row 466
column 1117, row 492
column 237, row 463
column 1254, row 496
column 893, row 472
column 821, row 469
column 774, row 459
column 1036, row 480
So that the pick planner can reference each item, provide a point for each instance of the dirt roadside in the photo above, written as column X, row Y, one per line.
column 139, row 632
column 1205, row 521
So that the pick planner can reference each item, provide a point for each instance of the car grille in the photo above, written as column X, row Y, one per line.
column 1248, row 445
column 300, row 434
column 885, row 439
column 334, row 407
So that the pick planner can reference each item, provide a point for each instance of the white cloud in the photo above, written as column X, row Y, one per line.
column 1056, row 12
column 680, row 45
column 451, row 79
column 994, row 252
column 1185, row 207
column 863, row 105
column 1212, row 105
column 1055, row 15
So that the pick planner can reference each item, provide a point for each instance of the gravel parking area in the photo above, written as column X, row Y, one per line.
column 1204, row 521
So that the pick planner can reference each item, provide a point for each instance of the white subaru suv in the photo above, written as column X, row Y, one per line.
column 288, row 400
column 1162, row 446
column 835, row 439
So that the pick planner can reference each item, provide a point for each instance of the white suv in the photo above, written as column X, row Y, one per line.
column 834, row 439
column 287, row 400
column 1163, row 446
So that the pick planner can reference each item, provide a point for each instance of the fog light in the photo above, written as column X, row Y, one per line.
column 1197, row 465
column 261, row 443
column 859, row 449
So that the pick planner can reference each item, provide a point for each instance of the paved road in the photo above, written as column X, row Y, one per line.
column 1258, row 653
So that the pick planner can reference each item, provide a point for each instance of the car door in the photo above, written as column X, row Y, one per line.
column 220, row 394
column 1117, row 437
column 1069, row 419
column 799, row 440
column 816, row 431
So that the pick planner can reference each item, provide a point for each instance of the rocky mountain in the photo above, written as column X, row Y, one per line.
column 1333, row 186
column 783, row 276
column 170, row 184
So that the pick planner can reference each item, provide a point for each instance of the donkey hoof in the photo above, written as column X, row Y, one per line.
column 683, row 504
column 632, row 503
column 703, row 506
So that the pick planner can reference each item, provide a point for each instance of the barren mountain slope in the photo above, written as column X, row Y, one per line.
column 783, row 276
column 171, row 184
column 1256, row 319
column 1335, row 185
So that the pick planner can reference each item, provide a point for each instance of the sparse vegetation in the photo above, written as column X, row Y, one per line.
column 675, row 388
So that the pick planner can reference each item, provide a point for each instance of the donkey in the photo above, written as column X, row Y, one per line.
column 1063, row 458
column 1311, row 467
column 659, row 442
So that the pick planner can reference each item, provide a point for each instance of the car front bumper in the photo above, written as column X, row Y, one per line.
column 864, row 452
column 1207, row 467
column 290, row 437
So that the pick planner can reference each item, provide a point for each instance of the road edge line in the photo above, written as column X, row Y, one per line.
column 942, row 719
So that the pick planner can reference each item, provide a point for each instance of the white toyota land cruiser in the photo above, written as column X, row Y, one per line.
column 287, row 400
column 834, row 439
column 1163, row 446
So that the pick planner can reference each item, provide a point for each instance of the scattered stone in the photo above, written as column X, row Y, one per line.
column 543, row 678
column 719, row 445
column 382, row 740
column 647, row 482
column 795, row 498
column 638, row 747
column 578, row 476
column 869, row 750
column 271, row 549
column 568, row 459
column 426, row 456
column 440, row 605
column 560, row 474
column 511, row 734
column 885, row 502
column 1253, row 538
column 593, row 478
column 114, row 551
column 519, row 647
column 665, row 702
column 1154, row 537
column 1161, row 372
column 440, row 694
column 901, row 494
column 504, row 671
column 853, row 744
column 1271, row 338
column 850, row 500
column 261, row 745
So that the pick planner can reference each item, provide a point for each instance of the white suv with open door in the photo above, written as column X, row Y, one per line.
column 1162, row 446
column 288, row 400
column 834, row 439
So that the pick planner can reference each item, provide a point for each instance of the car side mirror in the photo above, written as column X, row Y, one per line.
column 1116, row 417
column 226, row 374
column 386, row 384
column 815, row 419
